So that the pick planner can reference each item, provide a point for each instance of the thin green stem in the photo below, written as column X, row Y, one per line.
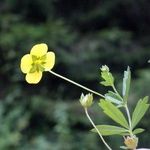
column 115, row 90
column 75, row 83
column 86, row 111
column 127, row 111
column 129, row 119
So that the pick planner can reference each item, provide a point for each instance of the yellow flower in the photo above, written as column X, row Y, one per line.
column 36, row 62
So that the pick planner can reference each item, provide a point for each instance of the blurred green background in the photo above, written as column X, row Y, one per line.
column 84, row 34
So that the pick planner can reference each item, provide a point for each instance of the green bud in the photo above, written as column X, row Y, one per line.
column 131, row 142
column 105, row 68
column 86, row 100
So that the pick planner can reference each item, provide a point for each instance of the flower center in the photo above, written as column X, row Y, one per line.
column 38, row 63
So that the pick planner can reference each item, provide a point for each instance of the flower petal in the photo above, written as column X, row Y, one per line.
column 50, row 61
column 39, row 50
column 26, row 63
column 34, row 78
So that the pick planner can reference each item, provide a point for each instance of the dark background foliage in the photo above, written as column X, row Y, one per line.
column 84, row 35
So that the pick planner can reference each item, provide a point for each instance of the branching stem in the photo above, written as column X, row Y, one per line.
column 127, row 111
column 115, row 90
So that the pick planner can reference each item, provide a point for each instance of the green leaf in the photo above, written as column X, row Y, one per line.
column 139, row 111
column 113, row 97
column 113, row 112
column 138, row 130
column 123, row 147
column 108, row 78
column 126, row 84
column 106, row 130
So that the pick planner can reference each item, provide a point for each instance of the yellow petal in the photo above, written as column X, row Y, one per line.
column 33, row 78
column 39, row 50
column 50, row 61
column 26, row 62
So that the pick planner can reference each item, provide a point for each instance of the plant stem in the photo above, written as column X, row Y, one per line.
column 129, row 119
column 86, row 111
column 116, row 91
column 127, row 111
column 77, row 84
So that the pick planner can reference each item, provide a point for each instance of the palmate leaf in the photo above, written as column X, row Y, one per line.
column 106, row 130
column 126, row 84
column 139, row 111
column 113, row 97
column 113, row 112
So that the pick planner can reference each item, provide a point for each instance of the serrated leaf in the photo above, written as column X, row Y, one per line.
column 113, row 112
column 113, row 97
column 108, row 78
column 126, row 84
column 139, row 111
column 106, row 130
column 138, row 130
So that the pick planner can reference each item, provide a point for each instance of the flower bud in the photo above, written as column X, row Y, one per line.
column 87, row 100
column 105, row 68
column 131, row 142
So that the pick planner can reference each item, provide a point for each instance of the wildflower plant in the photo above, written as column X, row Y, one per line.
column 112, row 103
